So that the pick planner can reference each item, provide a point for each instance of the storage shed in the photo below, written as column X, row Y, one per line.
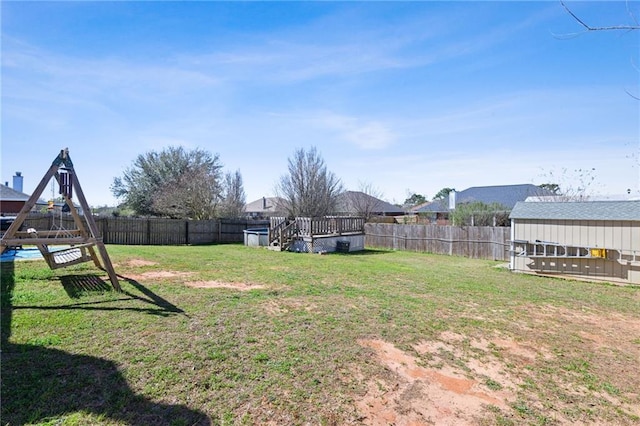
column 594, row 240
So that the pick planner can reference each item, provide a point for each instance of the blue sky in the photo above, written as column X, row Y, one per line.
column 404, row 96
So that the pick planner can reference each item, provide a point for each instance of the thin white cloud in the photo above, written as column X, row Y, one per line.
column 305, row 53
column 363, row 133
column 530, row 119
column 83, row 78
column 370, row 135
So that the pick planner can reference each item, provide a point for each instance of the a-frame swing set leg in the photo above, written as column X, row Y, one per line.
column 79, row 239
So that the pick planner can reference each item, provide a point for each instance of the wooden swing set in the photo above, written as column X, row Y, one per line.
column 82, row 241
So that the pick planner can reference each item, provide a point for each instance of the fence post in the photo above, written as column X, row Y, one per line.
column 186, row 231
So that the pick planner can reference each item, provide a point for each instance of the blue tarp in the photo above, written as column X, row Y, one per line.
column 10, row 255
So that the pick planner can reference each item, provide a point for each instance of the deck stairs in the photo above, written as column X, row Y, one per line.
column 282, row 235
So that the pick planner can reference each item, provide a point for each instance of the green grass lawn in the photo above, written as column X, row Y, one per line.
column 296, row 342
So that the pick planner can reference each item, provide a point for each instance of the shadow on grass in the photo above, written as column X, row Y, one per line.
column 365, row 252
column 78, row 285
column 7, row 283
column 82, row 285
column 43, row 384
column 151, row 297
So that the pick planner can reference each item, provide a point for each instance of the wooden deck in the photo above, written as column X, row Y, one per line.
column 283, row 231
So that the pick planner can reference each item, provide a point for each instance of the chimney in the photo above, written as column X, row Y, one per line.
column 264, row 203
column 452, row 200
column 17, row 182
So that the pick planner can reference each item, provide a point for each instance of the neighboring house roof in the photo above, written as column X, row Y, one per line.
column 435, row 206
column 505, row 195
column 10, row 194
column 264, row 205
column 578, row 210
column 349, row 202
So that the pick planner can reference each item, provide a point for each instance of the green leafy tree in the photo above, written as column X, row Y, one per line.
column 479, row 214
column 173, row 182
column 308, row 189
column 414, row 200
column 194, row 195
column 443, row 193
column 552, row 187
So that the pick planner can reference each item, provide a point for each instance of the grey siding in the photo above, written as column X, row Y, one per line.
column 620, row 238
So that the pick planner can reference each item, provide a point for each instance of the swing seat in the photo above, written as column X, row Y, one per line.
column 68, row 256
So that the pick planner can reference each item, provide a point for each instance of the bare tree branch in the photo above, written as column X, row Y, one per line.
column 604, row 28
column 588, row 28
column 632, row 95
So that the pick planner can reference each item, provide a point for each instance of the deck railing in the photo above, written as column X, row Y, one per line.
column 312, row 227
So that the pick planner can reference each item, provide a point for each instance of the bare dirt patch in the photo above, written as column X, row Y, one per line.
column 139, row 262
column 220, row 284
column 462, row 380
column 158, row 275
column 420, row 395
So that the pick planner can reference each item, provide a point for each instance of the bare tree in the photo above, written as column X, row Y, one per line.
column 308, row 189
column 233, row 198
column 565, row 185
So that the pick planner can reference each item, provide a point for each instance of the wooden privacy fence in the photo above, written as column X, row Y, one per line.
column 479, row 242
column 154, row 231
column 469, row 241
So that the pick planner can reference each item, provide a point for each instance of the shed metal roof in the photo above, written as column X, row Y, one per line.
column 573, row 210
